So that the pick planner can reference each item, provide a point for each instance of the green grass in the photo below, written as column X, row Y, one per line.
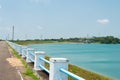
column 32, row 42
column 40, row 42
column 86, row 74
column 29, row 71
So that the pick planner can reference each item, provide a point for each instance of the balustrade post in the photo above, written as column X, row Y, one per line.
column 16, row 47
column 24, row 51
column 56, row 64
column 38, row 62
column 28, row 54
column 20, row 50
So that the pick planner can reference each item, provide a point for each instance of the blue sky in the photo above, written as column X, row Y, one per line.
column 59, row 18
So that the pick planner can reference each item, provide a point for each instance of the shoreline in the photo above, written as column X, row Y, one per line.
column 52, row 42
column 91, row 72
column 95, row 72
column 84, row 72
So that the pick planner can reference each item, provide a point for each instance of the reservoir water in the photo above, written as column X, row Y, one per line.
column 100, row 58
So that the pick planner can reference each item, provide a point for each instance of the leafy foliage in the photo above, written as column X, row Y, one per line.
column 106, row 40
column 101, row 40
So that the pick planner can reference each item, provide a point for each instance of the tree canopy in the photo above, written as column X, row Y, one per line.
column 101, row 40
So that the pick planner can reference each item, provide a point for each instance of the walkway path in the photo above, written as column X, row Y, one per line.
column 7, row 72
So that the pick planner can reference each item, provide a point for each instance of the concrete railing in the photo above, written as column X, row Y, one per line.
column 58, row 66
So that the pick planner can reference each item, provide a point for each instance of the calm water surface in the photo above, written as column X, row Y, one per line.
column 100, row 58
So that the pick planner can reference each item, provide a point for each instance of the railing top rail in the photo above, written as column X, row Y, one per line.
column 45, row 60
column 71, row 74
column 41, row 52
column 30, row 49
column 24, row 47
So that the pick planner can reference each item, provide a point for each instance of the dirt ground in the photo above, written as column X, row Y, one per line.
column 14, row 62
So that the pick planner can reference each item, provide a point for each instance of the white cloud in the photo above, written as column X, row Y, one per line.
column 103, row 21
column 39, row 27
column 41, row 1
column 0, row 6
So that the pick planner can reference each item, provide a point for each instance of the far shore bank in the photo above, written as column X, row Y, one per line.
column 48, row 42
column 32, row 42
column 92, row 40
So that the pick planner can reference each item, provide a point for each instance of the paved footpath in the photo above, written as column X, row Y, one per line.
column 7, row 72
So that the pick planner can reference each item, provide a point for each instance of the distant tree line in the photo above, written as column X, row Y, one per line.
column 106, row 40
column 101, row 40
column 1, row 40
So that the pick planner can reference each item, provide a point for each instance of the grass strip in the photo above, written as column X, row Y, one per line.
column 32, row 42
column 87, row 75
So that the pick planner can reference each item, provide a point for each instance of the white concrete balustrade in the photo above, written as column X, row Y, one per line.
column 58, row 66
